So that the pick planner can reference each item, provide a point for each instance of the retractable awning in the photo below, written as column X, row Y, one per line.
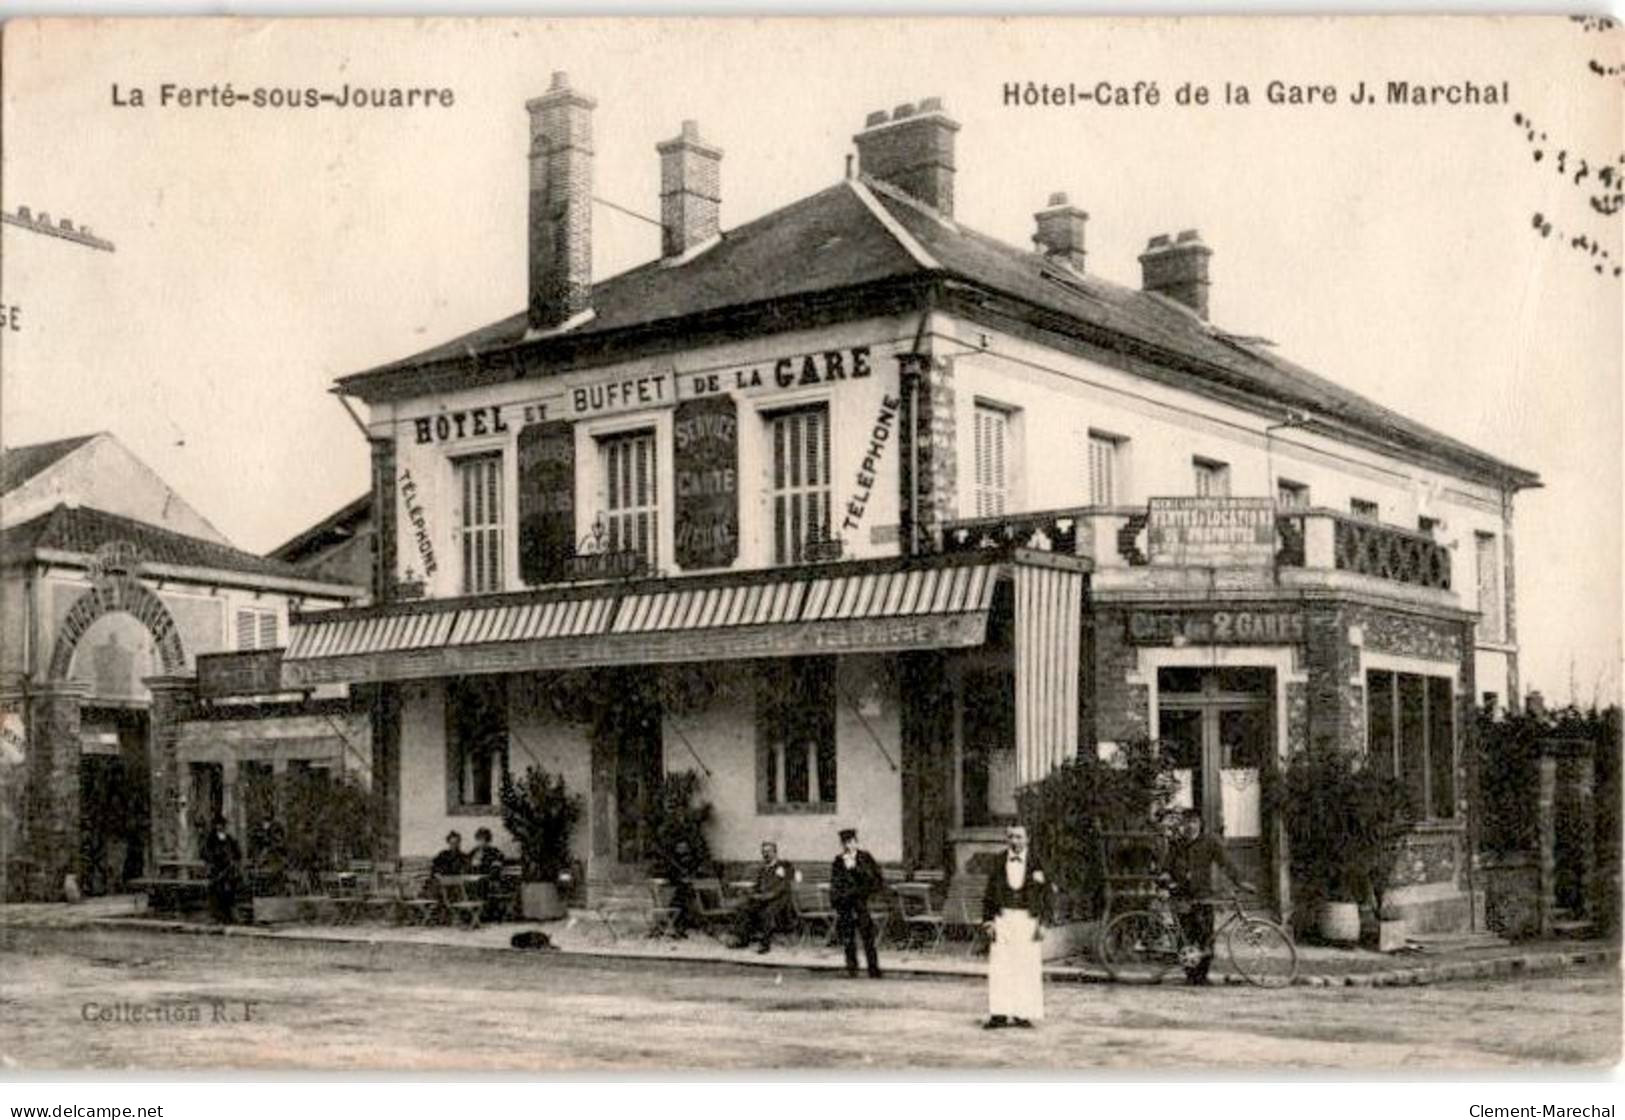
column 853, row 607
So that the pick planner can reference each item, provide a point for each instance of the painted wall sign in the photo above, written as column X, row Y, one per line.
column 448, row 427
column 246, row 673
column 793, row 372
column 1215, row 627
column 705, row 456
column 879, row 436
column 605, row 565
column 1211, row 532
column 653, row 390
column 547, row 500
column 422, row 540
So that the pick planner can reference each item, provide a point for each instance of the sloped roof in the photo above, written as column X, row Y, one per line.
column 825, row 241
column 78, row 529
column 835, row 239
column 333, row 529
column 19, row 464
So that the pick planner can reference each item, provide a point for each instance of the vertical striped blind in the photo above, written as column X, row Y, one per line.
column 480, row 482
column 1049, row 605
column 801, row 482
column 990, row 437
column 631, row 501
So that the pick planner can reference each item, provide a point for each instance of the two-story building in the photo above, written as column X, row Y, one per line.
column 872, row 520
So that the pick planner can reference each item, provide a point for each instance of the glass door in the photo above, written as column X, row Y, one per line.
column 1219, row 725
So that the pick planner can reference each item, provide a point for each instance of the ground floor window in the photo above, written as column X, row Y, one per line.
column 795, row 735
column 987, row 758
column 1411, row 735
column 476, row 741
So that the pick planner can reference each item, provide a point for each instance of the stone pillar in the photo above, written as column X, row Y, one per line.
column 174, row 698
column 383, row 521
column 926, row 757
column 1546, row 840
column 928, row 475
column 386, row 767
column 51, row 787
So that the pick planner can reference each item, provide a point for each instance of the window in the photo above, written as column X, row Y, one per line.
column 480, row 484
column 992, row 438
column 1105, row 467
column 1410, row 729
column 795, row 735
column 1212, row 478
column 801, row 477
column 630, row 499
column 1366, row 511
column 476, row 741
column 256, row 628
column 1291, row 495
column 1490, row 624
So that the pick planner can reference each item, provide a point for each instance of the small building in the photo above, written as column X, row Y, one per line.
column 115, row 594
column 873, row 520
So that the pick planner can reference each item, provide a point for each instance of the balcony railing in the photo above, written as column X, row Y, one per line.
column 1314, row 539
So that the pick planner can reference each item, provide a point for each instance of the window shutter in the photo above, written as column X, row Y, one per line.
column 268, row 630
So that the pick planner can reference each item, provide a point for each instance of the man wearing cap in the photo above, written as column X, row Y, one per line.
column 1013, row 910
column 853, row 877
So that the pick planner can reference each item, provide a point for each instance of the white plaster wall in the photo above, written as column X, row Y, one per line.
column 854, row 405
column 104, row 475
column 537, row 737
column 868, row 791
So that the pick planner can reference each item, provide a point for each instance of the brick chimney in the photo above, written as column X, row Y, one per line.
column 560, row 205
column 1177, row 268
column 913, row 150
column 690, row 191
column 1060, row 231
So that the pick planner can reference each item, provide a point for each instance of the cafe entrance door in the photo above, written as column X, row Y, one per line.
column 1220, row 725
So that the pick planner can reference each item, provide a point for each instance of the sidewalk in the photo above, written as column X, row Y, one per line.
column 585, row 933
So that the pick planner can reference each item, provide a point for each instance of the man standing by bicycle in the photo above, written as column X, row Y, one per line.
column 1191, row 858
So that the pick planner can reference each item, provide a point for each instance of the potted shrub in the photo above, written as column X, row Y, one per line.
column 540, row 814
column 1344, row 824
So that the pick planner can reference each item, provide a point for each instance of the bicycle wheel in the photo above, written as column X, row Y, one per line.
column 1138, row 947
column 1262, row 952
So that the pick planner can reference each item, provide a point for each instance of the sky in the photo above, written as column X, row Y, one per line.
column 262, row 253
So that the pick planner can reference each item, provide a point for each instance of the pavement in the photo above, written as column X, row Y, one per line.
column 593, row 934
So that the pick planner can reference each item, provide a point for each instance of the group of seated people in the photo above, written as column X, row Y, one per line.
column 485, row 858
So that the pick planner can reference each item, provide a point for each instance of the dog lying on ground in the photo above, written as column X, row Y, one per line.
column 532, row 939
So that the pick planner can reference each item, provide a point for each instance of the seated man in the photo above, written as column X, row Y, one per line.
column 452, row 860
column 765, row 909
column 1191, row 857
column 486, row 858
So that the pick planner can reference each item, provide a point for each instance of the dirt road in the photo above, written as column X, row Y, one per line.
column 132, row 999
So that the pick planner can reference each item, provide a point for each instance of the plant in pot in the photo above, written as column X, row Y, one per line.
column 680, row 849
column 540, row 814
column 1344, row 823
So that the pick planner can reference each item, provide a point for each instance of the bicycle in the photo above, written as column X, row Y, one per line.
column 1141, row 946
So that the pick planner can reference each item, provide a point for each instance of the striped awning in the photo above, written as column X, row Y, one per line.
column 841, row 608
column 317, row 638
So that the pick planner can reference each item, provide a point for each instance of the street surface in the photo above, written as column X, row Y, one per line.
column 87, row 998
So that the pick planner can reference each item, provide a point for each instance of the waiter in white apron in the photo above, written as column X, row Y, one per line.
column 1013, row 910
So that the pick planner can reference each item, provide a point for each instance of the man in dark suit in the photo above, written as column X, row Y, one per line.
column 1013, row 911
column 1192, row 856
column 764, row 910
column 451, row 860
column 854, row 877
column 223, row 859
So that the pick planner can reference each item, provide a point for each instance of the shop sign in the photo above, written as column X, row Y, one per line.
column 705, row 454
column 1211, row 532
column 622, row 564
column 547, row 499
column 1215, row 627
column 243, row 673
column 796, row 371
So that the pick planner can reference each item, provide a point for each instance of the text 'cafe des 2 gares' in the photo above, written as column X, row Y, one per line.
column 871, row 520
